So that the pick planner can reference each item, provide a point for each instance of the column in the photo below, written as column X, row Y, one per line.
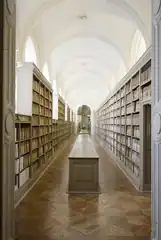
column 156, row 121
column 7, row 112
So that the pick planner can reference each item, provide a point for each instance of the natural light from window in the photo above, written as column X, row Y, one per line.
column 138, row 47
column 30, row 51
column 46, row 71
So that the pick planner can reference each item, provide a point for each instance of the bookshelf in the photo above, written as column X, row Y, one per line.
column 68, row 114
column 61, row 109
column 119, row 120
column 55, row 135
column 38, row 138
column 61, row 120
column 23, row 149
column 61, row 128
column 33, row 125
column 61, row 133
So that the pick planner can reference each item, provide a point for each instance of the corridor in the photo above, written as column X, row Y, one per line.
column 119, row 212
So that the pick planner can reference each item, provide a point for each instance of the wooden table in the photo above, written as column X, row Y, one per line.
column 83, row 166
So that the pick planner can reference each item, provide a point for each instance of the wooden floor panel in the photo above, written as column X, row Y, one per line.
column 119, row 213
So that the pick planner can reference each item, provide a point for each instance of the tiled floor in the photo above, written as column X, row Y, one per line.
column 48, row 213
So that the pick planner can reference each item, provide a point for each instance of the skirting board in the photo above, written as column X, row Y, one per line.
column 32, row 182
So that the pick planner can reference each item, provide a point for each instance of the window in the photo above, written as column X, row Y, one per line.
column 60, row 92
column 54, row 86
column 121, row 71
column 46, row 71
column 30, row 51
column 66, row 111
column 17, row 65
column 55, row 106
column 55, row 101
column 71, row 115
column 138, row 47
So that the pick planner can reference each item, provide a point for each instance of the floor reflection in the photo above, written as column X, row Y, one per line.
column 49, row 213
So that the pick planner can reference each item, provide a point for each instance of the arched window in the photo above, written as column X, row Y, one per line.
column 55, row 100
column 138, row 47
column 46, row 71
column 54, row 86
column 66, row 111
column 71, row 115
column 121, row 71
column 60, row 92
column 55, row 106
column 30, row 51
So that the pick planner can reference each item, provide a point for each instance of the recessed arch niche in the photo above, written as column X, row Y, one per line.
column 84, row 118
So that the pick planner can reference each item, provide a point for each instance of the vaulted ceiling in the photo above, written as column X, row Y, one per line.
column 87, row 44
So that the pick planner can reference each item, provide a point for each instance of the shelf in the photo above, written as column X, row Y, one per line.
column 146, row 82
column 37, row 136
column 118, row 120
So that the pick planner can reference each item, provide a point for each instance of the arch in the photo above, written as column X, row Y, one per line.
column 54, row 85
column 138, row 47
column 68, row 64
column 60, row 91
column 87, row 36
column 121, row 72
column 124, row 5
column 84, row 109
column 30, row 51
column 84, row 116
column 80, row 105
column 46, row 71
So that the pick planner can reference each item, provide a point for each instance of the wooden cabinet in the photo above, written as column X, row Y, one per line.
column 83, row 166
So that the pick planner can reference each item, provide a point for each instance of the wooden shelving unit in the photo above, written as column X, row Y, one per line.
column 68, row 114
column 61, row 128
column 119, row 121
column 55, row 135
column 23, row 149
column 33, row 122
column 61, row 133
column 38, row 136
column 61, row 120
column 61, row 109
column 41, row 124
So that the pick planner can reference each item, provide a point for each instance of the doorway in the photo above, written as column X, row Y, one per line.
column 84, row 118
column 147, row 147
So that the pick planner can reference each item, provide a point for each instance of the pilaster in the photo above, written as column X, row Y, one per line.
column 156, row 121
column 7, row 112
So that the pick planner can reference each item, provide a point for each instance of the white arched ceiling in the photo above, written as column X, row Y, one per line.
column 88, row 56
column 80, row 60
